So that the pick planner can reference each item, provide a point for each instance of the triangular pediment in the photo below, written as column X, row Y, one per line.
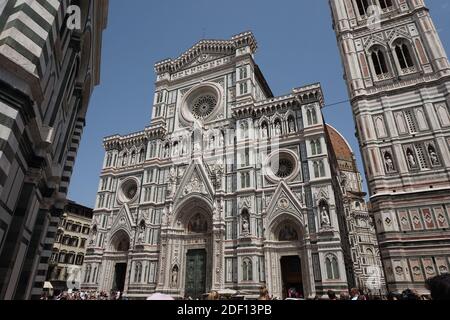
column 123, row 220
column 284, row 201
column 195, row 181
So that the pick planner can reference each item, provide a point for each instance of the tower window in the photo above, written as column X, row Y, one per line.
column 385, row 4
column 379, row 62
column 363, row 6
column 404, row 56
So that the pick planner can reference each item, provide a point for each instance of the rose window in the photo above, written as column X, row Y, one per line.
column 128, row 191
column 285, row 168
column 204, row 106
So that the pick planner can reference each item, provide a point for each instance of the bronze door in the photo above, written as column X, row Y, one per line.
column 195, row 273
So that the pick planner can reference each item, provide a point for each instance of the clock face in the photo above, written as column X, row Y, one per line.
column 203, row 106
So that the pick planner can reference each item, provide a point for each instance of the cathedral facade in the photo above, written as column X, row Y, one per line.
column 229, row 187
column 398, row 77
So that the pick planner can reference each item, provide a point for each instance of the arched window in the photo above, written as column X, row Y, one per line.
column 316, row 170
column 264, row 130
column 322, row 169
column 309, row 116
column 244, row 130
column 313, row 148
column 379, row 62
column 243, row 72
column 138, row 272
column 247, row 270
column 332, row 267
column 87, row 275
column 244, row 88
column 385, row 4
column 403, row 55
column 363, row 6
column 109, row 160
column 314, row 116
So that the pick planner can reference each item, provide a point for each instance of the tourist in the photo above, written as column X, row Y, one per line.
column 344, row 296
column 439, row 287
column 354, row 294
column 213, row 295
column 409, row 294
column 331, row 295
column 264, row 294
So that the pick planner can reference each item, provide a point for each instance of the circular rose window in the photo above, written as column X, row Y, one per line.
column 285, row 168
column 128, row 191
column 204, row 106
column 201, row 103
column 282, row 165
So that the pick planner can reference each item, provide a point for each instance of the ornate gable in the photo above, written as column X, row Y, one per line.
column 195, row 181
column 207, row 50
column 123, row 220
column 284, row 201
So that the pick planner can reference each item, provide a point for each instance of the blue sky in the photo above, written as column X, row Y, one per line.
column 297, row 46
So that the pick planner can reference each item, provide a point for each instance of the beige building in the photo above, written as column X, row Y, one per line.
column 70, row 246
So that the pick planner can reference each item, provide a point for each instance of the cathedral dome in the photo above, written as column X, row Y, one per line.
column 342, row 150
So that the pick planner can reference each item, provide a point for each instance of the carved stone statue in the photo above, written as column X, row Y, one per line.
column 264, row 131
column 141, row 234
column 175, row 276
column 411, row 159
column 245, row 226
column 278, row 130
column 389, row 163
column 326, row 223
column 172, row 181
column 291, row 125
column 433, row 156
column 93, row 235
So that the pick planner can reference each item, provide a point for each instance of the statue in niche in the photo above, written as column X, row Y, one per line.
column 183, row 146
column 141, row 233
column 278, row 130
column 411, row 159
column 133, row 158
column 291, row 125
column 325, row 215
column 176, row 149
column 164, row 218
column 245, row 226
column 433, row 156
column 264, row 130
column 93, row 235
column 389, row 162
column 212, row 142
column 172, row 181
column 175, row 276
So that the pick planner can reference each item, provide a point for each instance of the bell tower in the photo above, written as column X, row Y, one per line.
column 398, row 78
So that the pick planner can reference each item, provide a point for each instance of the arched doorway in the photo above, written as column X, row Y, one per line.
column 288, row 257
column 189, row 251
column 120, row 245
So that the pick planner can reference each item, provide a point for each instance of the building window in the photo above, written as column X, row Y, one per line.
column 319, row 169
column 243, row 73
column 138, row 272
column 385, row 4
column 379, row 62
column 247, row 270
column 363, row 6
column 316, row 147
column 244, row 88
column 403, row 55
column 311, row 114
column 245, row 180
column 332, row 267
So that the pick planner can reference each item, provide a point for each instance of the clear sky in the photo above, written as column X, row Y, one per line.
column 297, row 46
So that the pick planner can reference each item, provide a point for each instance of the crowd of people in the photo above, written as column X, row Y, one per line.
column 84, row 295
column 439, row 288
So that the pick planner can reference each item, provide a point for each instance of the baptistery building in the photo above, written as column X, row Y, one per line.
column 229, row 187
